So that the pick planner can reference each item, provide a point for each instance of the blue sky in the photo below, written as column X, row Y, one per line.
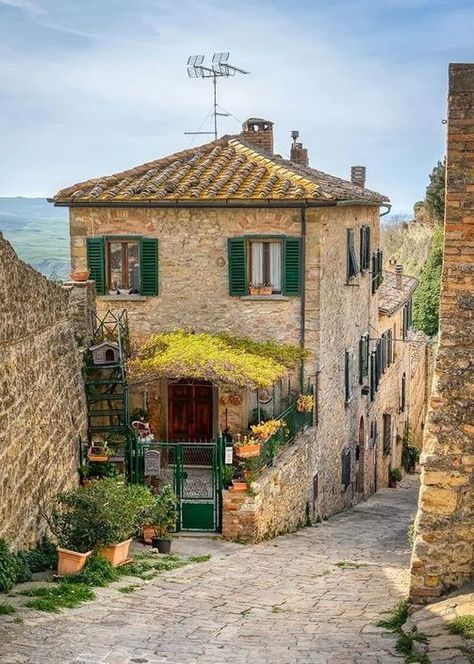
column 90, row 87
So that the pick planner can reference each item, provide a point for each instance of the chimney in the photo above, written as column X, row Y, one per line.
column 358, row 176
column 398, row 276
column 298, row 153
column 258, row 132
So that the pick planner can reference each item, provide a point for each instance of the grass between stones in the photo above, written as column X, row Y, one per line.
column 72, row 591
column 6, row 609
column 406, row 640
column 464, row 625
column 345, row 564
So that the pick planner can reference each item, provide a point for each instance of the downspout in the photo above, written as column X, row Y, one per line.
column 303, row 293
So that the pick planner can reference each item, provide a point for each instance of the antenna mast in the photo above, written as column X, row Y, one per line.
column 219, row 68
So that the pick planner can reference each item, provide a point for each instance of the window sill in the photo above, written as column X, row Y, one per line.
column 254, row 298
column 123, row 298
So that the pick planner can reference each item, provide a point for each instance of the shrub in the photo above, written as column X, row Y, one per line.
column 13, row 569
column 395, row 475
column 106, row 513
column 97, row 572
column 42, row 558
column 410, row 457
column 162, row 514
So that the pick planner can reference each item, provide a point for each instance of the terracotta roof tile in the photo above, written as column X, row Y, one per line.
column 392, row 298
column 227, row 168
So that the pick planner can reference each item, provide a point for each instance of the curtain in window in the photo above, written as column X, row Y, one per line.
column 257, row 263
column 275, row 265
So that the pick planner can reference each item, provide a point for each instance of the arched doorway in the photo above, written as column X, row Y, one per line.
column 360, row 468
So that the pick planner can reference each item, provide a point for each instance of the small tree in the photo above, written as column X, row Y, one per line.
column 435, row 191
column 426, row 298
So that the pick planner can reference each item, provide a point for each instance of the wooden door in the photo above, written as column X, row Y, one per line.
column 190, row 412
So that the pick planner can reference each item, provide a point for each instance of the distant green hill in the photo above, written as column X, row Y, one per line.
column 38, row 232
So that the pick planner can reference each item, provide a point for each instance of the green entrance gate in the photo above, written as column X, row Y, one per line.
column 194, row 470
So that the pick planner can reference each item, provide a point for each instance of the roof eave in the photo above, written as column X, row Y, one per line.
column 227, row 202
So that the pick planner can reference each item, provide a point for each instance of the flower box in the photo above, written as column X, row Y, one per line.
column 247, row 451
column 239, row 485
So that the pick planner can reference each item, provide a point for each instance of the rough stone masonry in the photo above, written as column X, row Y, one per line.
column 443, row 555
column 42, row 399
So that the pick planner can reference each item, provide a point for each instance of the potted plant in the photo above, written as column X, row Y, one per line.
column 80, row 275
column 395, row 477
column 239, row 484
column 104, row 516
column 228, row 475
column 161, row 517
column 305, row 403
column 247, row 446
column 98, row 452
column 264, row 430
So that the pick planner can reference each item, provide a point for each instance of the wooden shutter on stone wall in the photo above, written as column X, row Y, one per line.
column 149, row 266
column 96, row 262
column 292, row 266
column 237, row 258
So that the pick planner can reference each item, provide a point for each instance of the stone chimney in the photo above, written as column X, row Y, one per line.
column 398, row 276
column 258, row 132
column 298, row 153
column 358, row 176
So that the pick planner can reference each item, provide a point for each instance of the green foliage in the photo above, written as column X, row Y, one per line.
column 199, row 559
column 464, row 625
column 398, row 617
column 162, row 514
column 105, row 513
column 95, row 470
column 12, row 569
column 404, row 644
column 426, row 297
column 97, row 572
column 435, row 191
column 128, row 589
column 395, row 475
column 56, row 597
column 149, row 566
column 42, row 558
column 410, row 456
column 6, row 609
column 417, row 658
column 218, row 358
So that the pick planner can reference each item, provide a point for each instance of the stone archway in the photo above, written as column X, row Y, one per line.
column 360, row 467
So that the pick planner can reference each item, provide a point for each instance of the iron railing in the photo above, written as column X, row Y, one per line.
column 295, row 421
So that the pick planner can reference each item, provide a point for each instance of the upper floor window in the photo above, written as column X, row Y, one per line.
column 364, row 354
column 348, row 374
column 352, row 265
column 265, row 265
column 273, row 263
column 387, row 433
column 377, row 262
column 124, row 265
column 364, row 248
column 407, row 318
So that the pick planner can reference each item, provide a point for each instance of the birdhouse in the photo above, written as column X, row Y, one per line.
column 105, row 353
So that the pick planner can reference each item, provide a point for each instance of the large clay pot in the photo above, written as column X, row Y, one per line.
column 117, row 554
column 80, row 275
column 71, row 562
column 148, row 533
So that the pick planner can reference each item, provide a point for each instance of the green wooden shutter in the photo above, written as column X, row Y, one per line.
column 363, row 237
column 352, row 266
column 348, row 369
column 148, row 266
column 237, row 257
column 367, row 247
column 96, row 262
column 291, row 266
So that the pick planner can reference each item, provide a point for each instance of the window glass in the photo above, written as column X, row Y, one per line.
column 265, row 264
column 123, row 265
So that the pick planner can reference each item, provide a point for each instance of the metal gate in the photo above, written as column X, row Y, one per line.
column 194, row 470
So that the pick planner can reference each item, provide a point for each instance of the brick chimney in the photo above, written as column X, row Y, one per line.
column 258, row 132
column 298, row 153
column 358, row 176
column 398, row 276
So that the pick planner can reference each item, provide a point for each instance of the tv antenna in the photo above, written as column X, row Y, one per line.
column 220, row 68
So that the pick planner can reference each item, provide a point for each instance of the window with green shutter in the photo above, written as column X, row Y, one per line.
column 363, row 358
column 352, row 265
column 96, row 262
column 364, row 248
column 348, row 374
column 377, row 263
column 124, row 265
column 271, row 264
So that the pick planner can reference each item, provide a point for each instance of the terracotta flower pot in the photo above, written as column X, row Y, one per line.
column 117, row 554
column 80, row 275
column 239, row 485
column 71, row 562
column 246, row 451
column 265, row 290
column 98, row 458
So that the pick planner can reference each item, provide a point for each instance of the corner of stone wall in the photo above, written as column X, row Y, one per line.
column 82, row 305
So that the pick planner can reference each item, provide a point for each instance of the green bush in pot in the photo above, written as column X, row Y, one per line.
column 162, row 516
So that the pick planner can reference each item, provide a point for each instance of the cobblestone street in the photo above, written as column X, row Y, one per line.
column 313, row 597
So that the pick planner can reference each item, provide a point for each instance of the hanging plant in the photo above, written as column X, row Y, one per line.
column 264, row 430
column 305, row 403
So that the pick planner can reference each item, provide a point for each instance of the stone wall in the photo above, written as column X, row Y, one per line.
column 279, row 501
column 443, row 555
column 42, row 402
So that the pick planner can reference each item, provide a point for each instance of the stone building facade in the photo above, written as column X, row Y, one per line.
column 443, row 555
column 42, row 402
column 197, row 210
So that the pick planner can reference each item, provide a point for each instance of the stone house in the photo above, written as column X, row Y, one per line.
column 230, row 237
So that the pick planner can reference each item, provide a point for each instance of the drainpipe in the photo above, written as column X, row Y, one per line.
column 303, row 292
